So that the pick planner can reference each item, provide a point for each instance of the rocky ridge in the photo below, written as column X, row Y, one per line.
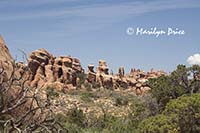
column 63, row 72
column 135, row 80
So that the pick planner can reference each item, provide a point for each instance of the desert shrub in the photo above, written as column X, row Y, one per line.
column 88, row 87
column 180, row 115
column 67, row 124
column 82, row 78
column 183, row 80
column 138, row 113
column 87, row 96
column 185, row 112
column 105, row 123
column 51, row 92
column 72, row 128
column 95, row 85
column 76, row 116
column 150, row 103
column 157, row 124
column 114, row 124
column 121, row 101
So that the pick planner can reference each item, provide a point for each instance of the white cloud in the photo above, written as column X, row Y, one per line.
column 194, row 59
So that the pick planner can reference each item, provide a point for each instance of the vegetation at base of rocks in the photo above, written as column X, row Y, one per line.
column 87, row 96
column 75, row 121
column 180, row 115
column 82, row 79
column 121, row 101
column 172, row 106
column 51, row 92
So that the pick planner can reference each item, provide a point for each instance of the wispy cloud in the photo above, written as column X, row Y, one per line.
column 34, row 2
column 101, row 11
column 79, row 17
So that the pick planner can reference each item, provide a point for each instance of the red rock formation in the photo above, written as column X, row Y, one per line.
column 121, row 72
column 91, row 75
column 102, row 68
column 135, row 80
column 46, row 68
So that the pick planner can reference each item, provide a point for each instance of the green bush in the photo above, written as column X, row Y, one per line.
column 77, row 117
column 181, row 81
column 157, row 124
column 82, row 78
column 180, row 115
column 121, row 101
column 51, row 92
column 88, row 86
column 87, row 96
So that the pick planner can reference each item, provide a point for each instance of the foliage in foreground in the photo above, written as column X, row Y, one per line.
column 184, row 80
column 180, row 115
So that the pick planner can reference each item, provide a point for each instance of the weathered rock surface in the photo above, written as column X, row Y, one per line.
column 135, row 80
column 46, row 68
column 6, row 62
column 91, row 75
column 102, row 68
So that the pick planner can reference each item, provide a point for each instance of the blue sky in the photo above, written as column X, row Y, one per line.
column 94, row 29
